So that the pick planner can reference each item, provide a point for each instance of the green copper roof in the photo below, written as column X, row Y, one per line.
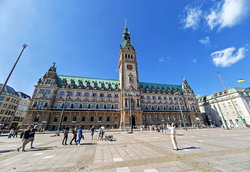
column 162, row 88
column 91, row 83
column 111, row 84
column 230, row 91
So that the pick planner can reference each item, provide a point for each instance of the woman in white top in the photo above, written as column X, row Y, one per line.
column 173, row 135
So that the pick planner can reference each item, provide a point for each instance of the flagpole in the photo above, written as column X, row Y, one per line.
column 6, row 81
column 230, row 98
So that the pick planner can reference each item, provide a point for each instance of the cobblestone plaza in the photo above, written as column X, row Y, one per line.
column 148, row 151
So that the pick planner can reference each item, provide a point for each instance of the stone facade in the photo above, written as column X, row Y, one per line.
column 60, row 101
column 218, row 108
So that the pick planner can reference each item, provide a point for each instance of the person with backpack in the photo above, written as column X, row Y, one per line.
column 25, row 139
column 32, row 136
column 101, row 132
column 65, row 138
column 74, row 132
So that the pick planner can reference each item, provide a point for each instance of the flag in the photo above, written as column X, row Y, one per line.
column 240, row 80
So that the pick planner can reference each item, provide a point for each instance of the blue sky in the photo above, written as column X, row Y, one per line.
column 172, row 38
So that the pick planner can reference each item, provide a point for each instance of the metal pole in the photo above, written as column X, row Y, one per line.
column 182, row 115
column 5, row 83
column 61, row 116
column 131, row 113
column 230, row 98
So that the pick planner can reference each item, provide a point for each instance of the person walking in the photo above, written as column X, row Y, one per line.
column 32, row 136
column 92, row 129
column 101, row 132
column 74, row 132
column 65, row 138
column 173, row 135
column 25, row 139
column 79, row 135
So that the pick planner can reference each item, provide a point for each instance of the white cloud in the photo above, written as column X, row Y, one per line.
column 163, row 59
column 192, row 18
column 228, row 56
column 227, row 14
column 205, row 40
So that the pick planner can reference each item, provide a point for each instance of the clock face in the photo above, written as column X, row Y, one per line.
column 129, row 67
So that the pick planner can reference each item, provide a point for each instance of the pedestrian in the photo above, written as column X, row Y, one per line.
column 65, row 138
column 74, row 132
column 25, row 139
column 101, row 132
column 15, row 133
column 11, row 133
column 79, row 135
column 92, row 129
column 32, row 136
column 173, row 135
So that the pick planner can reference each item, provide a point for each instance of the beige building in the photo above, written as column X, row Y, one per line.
column 61, row 100
column 9, row 101
column 218, row 107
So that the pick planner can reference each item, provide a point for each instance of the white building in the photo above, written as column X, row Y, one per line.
column 217, row 106
column 21, row 110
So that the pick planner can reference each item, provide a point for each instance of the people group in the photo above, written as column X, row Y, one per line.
column 77, row 134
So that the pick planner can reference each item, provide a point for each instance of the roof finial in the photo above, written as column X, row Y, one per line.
column 183, row 78
column 126, row 22
column 54, row 64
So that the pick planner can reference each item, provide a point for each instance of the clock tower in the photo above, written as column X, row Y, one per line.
column 128, row 73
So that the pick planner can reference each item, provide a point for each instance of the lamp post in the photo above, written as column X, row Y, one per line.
column 181, row 114
column 6, row 81
column 63, row 109
column 130, row 94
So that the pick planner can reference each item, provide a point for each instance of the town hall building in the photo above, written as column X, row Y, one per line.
column 61, row 101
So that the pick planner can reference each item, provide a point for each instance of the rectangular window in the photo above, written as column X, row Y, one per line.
column 70, row 93
column 108, row 106
column 85, row 106
column 86, row 94
column 92, row 118
column 108, row 118
column 67, row 105
column 101, row 106
column 77, row 105
column 61, row 93
column 93, row 106
column 41, row 91
column 109, row 95
column 1, row 97
column 101, row 95
column 83, row 118
column 116, row 95
column 78, row 94
column 116, row 106
column 94, row 94
column 100, row 118
column 55, row 118
column 74, row 118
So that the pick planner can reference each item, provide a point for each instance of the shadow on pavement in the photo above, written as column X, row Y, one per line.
column 6, row 151
column 192, row 147
column 42, row 148
column 88, row 144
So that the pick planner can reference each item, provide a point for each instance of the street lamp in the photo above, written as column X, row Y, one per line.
column 63, row 109
column 5, row 83
column 181, row 113
column 130, row 94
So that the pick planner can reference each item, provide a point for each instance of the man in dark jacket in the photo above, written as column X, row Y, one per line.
column 25, row 139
